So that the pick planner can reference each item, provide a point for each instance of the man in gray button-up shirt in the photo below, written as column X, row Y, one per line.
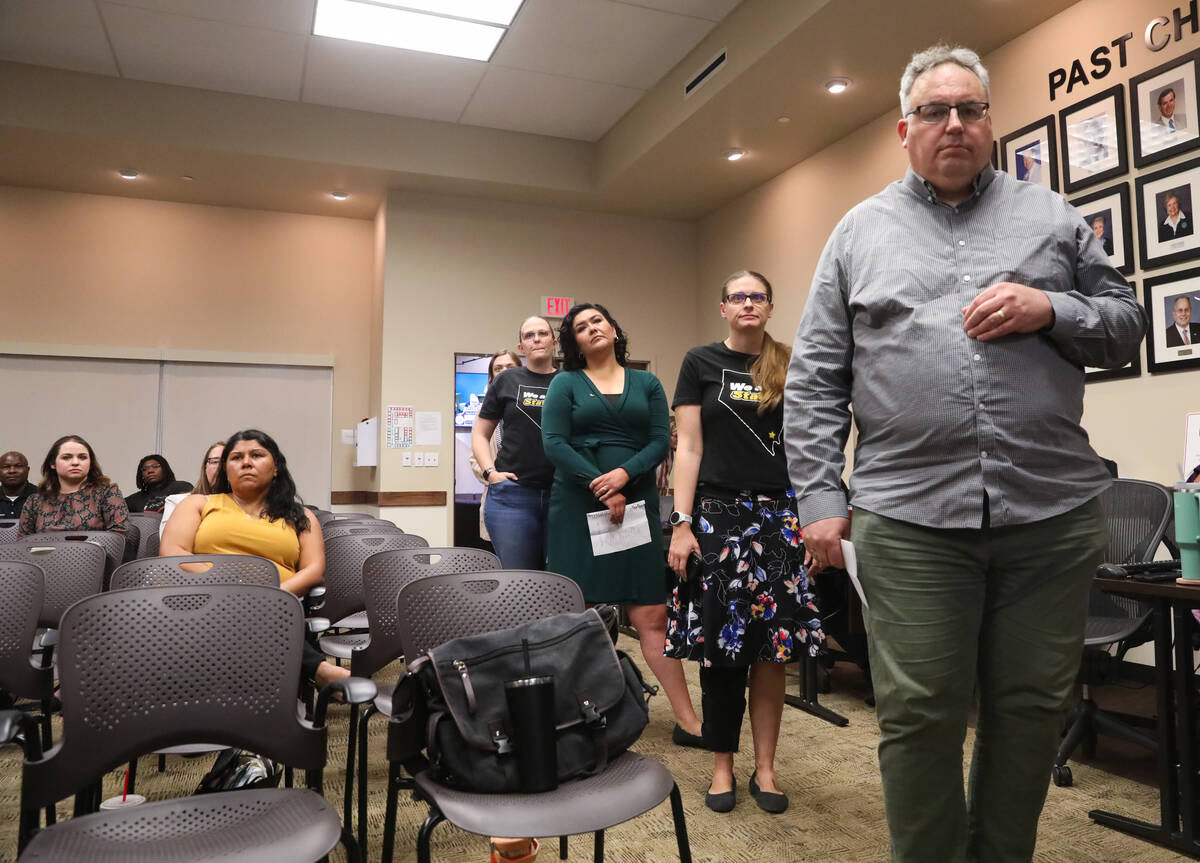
column 954, row 312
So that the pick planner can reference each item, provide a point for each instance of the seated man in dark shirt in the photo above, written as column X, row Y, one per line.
column 14, row 479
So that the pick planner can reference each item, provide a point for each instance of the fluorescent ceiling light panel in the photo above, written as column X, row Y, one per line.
column 398, row 28
column 490, row 11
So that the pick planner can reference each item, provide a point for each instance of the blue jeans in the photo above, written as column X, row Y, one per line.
column 515, row 517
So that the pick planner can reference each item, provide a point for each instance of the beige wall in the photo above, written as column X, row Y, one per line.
column 462, row 273
column 120, row 272
column 781, row 227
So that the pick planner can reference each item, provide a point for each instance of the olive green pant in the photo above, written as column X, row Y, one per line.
column 994, row 615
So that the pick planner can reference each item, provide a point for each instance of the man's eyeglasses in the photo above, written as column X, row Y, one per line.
column 937, row 112
column 738, row 299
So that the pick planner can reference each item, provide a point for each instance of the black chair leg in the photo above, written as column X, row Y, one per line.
column 598, row 847
column 348, row 796
column 681, row 836
column 289, row 777
column 389, row 813
column 433, row 820
column 162, row 763
column 132, row 774
column 562, row 847
column 362, row 777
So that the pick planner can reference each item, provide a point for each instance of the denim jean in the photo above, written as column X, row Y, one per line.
column 515, row 517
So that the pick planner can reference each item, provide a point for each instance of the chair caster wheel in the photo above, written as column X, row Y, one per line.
column 1062, row 776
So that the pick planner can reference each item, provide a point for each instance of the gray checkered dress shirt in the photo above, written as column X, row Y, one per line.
column 943, row 419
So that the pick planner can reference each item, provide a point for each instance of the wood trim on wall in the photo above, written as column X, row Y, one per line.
column 388, row 498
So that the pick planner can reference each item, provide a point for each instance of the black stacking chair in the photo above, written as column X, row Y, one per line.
column 216, row 663
column 1138, row 513
column 73, row 570
column 384, row 573
column 349, row 528
column 21, row 676
column 112, row 542
column 440, row 607
column 147, row 524
column 9, row 530
column 344, row 604
column 324, row 518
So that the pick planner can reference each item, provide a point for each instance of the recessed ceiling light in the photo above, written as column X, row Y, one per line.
column 339, row 194
column 837, row 85
column 490, row 11
column 401, row 28
column 128, row 174
column 783, row 118
column 734, row 153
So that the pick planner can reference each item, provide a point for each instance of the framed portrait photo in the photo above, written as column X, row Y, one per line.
column 1106, row 212
column 1164, row 103
column 1030, row 154
column 1093, row 139
column 1173, row 303
column 1166, row 221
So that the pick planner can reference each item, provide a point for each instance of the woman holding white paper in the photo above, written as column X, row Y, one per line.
column 745, row 607
column 605, row 429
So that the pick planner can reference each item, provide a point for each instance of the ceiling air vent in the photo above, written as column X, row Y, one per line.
column 706, row 72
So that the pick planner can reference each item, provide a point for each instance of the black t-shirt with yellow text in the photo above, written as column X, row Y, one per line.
column 516, row 397
column 742, row 450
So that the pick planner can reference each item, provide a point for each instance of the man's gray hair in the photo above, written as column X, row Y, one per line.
column 923, row 61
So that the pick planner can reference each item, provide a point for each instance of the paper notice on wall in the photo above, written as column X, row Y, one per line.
column 429, row 428
column 399, row 426
column 1191, row 450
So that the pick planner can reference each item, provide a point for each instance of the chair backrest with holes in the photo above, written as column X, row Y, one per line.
column 335, row 529
column 207, row 569
column 344, row 558
column 9, row 530
column 384, row 574
column 1138, row 513
column 112, row 542
column 147, row 524
column 325, row 518
column 73, row 570
column 440, row 607
column 152, row 667
column 22, row 585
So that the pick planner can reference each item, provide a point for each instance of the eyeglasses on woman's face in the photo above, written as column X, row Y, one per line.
column 738, row 299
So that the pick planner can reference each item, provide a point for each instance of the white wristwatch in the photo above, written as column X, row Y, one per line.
column 677, row 517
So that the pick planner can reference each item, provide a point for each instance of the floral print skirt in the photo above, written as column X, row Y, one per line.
column 751, row 601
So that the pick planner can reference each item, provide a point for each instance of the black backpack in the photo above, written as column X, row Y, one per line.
column 450, row 713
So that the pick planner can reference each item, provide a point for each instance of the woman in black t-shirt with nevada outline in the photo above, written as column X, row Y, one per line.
column 746, row 609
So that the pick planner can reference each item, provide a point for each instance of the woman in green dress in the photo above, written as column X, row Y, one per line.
column 605, row 429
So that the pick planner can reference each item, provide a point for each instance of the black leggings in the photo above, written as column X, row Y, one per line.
column 723, row 704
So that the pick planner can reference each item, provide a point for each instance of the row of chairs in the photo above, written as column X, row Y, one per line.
column 198, row 621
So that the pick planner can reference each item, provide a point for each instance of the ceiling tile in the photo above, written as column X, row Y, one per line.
column 293, row 16
column 64, row 34
column 599, row 40
column 547, row 104
column 713, row 10
column 173, row 49
column 388, row 80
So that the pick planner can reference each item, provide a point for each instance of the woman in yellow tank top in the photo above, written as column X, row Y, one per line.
column 254, row 510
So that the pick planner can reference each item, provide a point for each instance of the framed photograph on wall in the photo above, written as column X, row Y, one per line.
column 1173, row 303
column 1030, row 153
column 1093, row 139
column 1107, row 213
column 1166, row 114
column 1166, row 218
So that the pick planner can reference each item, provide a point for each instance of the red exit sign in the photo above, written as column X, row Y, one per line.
column 556, row 307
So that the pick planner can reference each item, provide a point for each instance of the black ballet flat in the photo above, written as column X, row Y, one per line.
column 683, row 738
column 768, row 801
column 723, row 802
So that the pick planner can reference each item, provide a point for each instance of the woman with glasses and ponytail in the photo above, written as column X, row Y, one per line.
column 741, row 604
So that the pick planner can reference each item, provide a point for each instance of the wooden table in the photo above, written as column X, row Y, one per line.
column 1174, row 682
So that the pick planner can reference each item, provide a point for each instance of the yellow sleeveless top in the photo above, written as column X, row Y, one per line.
column 225, row 529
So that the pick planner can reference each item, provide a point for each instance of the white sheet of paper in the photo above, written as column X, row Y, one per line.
column 428, row 428
column 634, row 529
column 852, row 567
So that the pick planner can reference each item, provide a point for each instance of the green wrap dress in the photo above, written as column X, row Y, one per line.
column 585, row 434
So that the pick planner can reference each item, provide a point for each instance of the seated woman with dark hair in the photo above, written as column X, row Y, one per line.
column 254, row 510
column 155, row 480
column 74, row 493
